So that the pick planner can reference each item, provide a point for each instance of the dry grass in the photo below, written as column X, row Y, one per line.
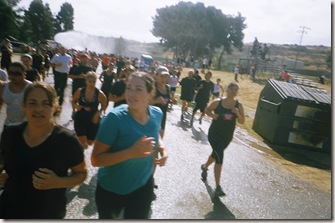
column 248, row 94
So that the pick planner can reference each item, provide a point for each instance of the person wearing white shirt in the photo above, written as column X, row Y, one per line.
column 3, row 76
column 62, row 63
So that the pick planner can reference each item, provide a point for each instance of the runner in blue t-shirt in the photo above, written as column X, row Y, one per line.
column 126, row 144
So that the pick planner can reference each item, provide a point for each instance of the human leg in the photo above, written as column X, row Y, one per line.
column 139, row 202
column 62, row 86
column 109, row 205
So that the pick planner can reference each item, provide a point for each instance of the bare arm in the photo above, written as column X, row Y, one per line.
column 103, row 101
column 211, row 107
column 239, row 113
column 44, row 179
column 75, row 99
column 102, row 157
column 161, row 151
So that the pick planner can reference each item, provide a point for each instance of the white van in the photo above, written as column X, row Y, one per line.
column 145, row 62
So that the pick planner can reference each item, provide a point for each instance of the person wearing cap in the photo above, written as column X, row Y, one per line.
column 107, row 78
column 31, row 73
column 162, row 96
column 11, row 94
column 62, row 63
column 78, row 72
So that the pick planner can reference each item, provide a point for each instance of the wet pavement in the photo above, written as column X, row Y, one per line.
column 256, row 188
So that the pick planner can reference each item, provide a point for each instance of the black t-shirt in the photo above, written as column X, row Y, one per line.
column 204, row 93
column 78, row 70
column 38, row 60
column 60, row 151
column 118, row 89
column 187, row 88
column 198, row 78
column 31, row 75
column 224, row 125
column 5, row 55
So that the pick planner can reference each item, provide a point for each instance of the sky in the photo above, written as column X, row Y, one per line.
column 271, row 21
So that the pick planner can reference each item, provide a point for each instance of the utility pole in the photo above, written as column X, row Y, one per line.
column 302, row 31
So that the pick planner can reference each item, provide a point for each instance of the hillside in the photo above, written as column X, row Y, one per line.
column 313, row 58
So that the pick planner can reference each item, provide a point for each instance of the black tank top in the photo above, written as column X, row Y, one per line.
column 89, row 105
column 224, row 125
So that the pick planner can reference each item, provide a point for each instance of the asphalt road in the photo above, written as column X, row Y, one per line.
column 255, row 188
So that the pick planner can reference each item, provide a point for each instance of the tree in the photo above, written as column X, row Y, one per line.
column 193, row 29
column 65, row 18
column 8, row 21
column 40, row 18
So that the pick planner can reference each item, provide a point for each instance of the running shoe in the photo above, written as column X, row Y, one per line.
column 219, row 192
column 204, row 172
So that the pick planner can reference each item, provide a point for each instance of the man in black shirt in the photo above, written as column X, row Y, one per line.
column 204, row 90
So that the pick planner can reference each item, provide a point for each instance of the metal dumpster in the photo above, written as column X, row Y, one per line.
column 293, row 115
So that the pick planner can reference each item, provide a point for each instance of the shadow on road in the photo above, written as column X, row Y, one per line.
column 220, row 211
column 200, row 135
column 86, row 191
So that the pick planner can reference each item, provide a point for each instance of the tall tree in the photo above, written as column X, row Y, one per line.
column 190, row 28
column 40, row 18
column 8, row 21
column 65, row 17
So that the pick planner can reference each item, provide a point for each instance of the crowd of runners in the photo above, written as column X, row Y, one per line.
column 40, row 159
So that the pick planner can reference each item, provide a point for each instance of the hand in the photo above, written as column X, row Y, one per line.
column 234, row 110
column 161, row 161
column 44, row 179
column 143, row 147
column 215, row 116
column 78, row 107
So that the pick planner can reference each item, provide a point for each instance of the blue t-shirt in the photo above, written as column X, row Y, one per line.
column 120, row 130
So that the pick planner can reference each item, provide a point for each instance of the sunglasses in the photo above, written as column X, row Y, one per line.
column 16, row 73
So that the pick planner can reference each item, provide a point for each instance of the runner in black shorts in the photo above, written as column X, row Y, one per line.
column 187, row 91
column 224, row 112
column 204, row 90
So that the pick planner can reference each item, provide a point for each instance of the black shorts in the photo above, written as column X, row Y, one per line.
column 186, row 98
column 136, row 204
column 218, row 144
column 84, row 126
column 173, row 89
column 200, row 105
column 216, row 94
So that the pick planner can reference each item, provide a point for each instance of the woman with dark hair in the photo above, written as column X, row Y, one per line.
column 37, row 156
column 224, row 112
column 125, row 149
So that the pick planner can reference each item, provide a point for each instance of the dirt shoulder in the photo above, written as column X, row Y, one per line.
column 308, row 165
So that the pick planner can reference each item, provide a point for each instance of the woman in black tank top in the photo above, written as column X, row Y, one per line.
column 224, row 113
column 86, row 103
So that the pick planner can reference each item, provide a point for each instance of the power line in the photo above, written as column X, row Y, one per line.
column 302, row 31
